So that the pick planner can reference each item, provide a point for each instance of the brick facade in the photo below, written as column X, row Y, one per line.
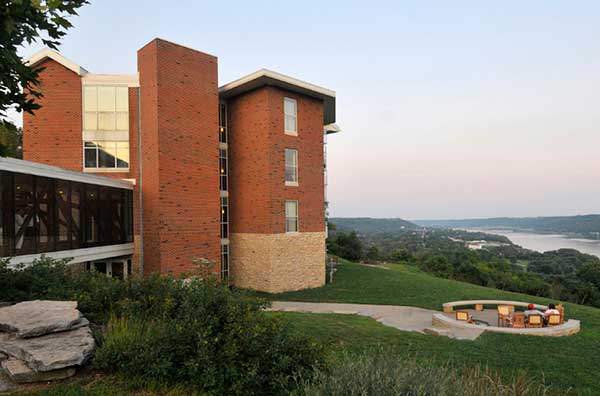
column 178, row 96
column 53, row 135
column 180, row 156
column 257, row 144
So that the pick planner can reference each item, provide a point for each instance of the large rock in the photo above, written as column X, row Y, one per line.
column 6, row 384
column 19, row 372
column 53, row 351
column 39, row 317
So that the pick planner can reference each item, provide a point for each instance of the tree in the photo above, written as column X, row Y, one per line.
column 399, row 255
column 25, row 22
column 373, row 253
column 346, row 245
column 11, row 140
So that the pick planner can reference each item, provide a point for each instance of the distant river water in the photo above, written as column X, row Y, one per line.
column 546, row 242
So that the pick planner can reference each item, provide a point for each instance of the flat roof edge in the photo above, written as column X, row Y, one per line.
column 266, row 73
column 37, row 169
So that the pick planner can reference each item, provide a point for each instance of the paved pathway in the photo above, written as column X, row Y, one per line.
column 400, row 317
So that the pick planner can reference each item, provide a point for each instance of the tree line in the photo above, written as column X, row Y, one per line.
column 565, row 274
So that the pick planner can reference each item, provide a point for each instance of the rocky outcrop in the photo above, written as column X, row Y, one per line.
column 34, row 318
column 21, row 373
column 43, row 341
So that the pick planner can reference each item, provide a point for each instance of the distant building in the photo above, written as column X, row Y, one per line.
column 233, row 174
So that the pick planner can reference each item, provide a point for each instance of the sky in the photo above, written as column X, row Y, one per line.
column 448, row 109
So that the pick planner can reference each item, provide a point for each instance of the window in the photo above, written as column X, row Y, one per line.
column 224, row 261
column 222, row 123
column 291, row 167
column 289, row 107
column 223, row 169
column 106, row 155
column 224, row 217
column 291, row 216
column 105, row 108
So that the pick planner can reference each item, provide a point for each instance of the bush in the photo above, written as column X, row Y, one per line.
column 174, row 331
column 212, row 338
column 381, row 374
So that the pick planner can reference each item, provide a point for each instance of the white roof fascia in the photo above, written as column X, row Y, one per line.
column 276, row 76
column 57, row 57
column 34, row 168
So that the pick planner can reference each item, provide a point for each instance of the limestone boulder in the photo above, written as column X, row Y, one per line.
column 19, row 372
column 6, row 384
column 39, row 317
column 52, row 351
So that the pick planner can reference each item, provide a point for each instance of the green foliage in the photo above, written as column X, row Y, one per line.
column 171, row 331
column 11, row 140
column 575, row 367
column 379, row 373
column 211, row 338
column 345, row 245
column 24, row 22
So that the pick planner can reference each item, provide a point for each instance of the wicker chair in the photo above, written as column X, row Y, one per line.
column 535, row 321
column 553, row 320
column 561, row 309
column 504, row 312
column 462, row 316
column 518, row 320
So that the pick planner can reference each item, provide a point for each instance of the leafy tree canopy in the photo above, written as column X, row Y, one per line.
column 11, row 140
column 25, row 22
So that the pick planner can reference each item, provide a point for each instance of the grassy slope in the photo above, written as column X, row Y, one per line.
column 573, row 365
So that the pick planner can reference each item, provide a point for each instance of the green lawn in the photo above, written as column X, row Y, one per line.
column 564, row 362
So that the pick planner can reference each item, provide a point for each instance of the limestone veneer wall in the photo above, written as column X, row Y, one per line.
column 276, row 263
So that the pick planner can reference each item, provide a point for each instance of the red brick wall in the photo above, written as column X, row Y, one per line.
column 180, row 156
column 53, row 135
column 257, row 162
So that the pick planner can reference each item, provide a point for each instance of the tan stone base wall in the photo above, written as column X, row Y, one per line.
column 276, row 263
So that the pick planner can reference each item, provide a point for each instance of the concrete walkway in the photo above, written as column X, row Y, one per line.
column 400, row 317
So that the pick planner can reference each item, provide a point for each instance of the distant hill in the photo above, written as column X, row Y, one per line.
column 367, row 225
column 585, row 225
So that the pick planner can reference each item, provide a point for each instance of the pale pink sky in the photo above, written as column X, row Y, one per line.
column 448, row 108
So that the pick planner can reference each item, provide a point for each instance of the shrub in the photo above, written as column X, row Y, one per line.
column 212, row 338
column 381, row 374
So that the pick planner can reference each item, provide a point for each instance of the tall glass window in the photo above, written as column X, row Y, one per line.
column 105, row 108
column 77, row 200
column 224, row 217
column 91, row 215
column 291, row 166
column 24, row 215
column 222, row 123
column 62, row 214
column 44, row 214
column 291, row 216
column 40, row 214
column 290, row 112
column 223, row 169
column 224, row 261
column 106, row 154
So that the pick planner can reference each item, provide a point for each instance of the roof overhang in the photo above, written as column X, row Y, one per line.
column 47, row 53
column 332, row 128
column 265, row 77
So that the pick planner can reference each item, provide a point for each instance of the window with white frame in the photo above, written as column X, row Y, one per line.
column 291, row 216
column 291, row 166
column 290, row 111
column 106, row 155
column 105, row 108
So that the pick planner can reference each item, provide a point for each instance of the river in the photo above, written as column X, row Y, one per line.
column 546, row 242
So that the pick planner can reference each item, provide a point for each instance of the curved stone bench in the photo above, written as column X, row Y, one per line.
column 568, row 328
column 449, row 306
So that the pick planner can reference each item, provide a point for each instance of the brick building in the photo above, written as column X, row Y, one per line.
column 234, row 174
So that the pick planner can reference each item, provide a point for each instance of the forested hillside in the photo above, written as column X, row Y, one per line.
column 586, row 225
column 367, row 225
